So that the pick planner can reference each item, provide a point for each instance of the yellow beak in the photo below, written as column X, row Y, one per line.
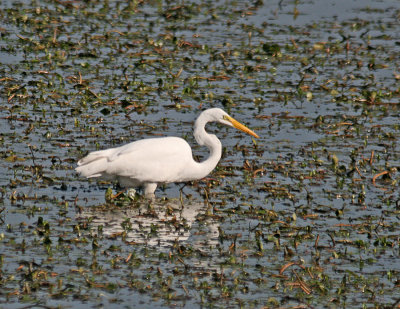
column 240, row 126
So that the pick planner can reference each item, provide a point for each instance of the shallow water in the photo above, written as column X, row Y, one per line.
column 318, row 192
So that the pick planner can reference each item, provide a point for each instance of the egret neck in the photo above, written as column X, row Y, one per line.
column 211, row 142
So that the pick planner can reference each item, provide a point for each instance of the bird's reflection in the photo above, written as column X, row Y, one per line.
column 155, row 223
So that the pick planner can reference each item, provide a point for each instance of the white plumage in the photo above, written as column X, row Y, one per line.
column 149, row 162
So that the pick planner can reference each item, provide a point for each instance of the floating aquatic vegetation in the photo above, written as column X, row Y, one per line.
column 307, row 216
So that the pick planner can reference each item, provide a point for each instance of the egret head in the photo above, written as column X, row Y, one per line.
column 225, row 119
column 218, row 115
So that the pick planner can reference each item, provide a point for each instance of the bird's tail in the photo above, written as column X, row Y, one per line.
column 93, row 165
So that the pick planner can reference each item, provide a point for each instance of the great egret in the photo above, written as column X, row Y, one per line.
column 150, row 162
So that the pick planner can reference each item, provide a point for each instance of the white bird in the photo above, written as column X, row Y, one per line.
column 149, row 162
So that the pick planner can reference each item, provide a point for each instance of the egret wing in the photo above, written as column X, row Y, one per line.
column 157, row 160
